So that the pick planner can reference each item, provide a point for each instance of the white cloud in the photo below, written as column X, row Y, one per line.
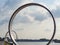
column 30, row 18
column 57, row 28
column 31, row 29
column 54, row 5
column 34, row 30
column 6, row 11
column 3, row 29
column 57, row 3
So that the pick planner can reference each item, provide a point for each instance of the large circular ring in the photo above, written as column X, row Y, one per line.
column 24, row 6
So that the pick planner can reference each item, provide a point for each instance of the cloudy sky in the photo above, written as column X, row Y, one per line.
column 32, row 22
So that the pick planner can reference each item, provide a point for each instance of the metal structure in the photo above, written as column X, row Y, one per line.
column 24, row 6
column 6, row 42
column 13, row 32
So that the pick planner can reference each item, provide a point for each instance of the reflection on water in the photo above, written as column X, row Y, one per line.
column 32, row 43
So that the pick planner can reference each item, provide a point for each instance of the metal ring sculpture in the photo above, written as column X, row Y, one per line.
column 12, row 31
column 24, row 6
column 7, row 33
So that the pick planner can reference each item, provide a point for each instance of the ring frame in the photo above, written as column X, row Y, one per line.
column 24, row 6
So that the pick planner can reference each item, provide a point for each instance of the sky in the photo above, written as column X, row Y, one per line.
column 31, row 23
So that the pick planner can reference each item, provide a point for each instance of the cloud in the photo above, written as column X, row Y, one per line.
column 9, row 7
column 52, row 5
column 3, row 29
column 31, row 15
column 6, row 10
column 55, row 8
column 38, row 17
column 34, row 30
column 23, row 19
column 56, row 12
column 13, row 4
column 34, row 15
column 45, row 27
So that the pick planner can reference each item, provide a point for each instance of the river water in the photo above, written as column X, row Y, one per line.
column 33, row 43
column 37, row 43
